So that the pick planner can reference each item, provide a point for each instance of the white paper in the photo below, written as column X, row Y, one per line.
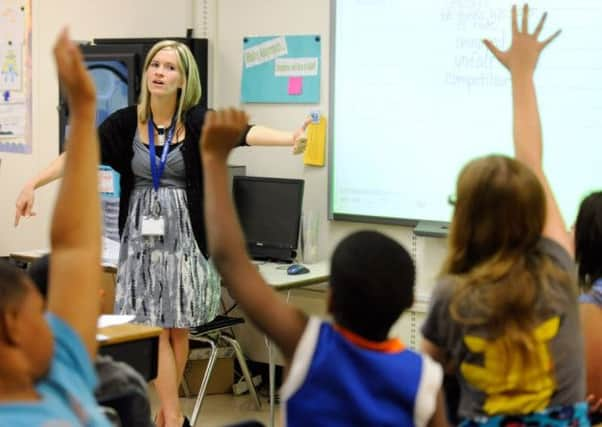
column 114, row 319
column 12, row 21
column 295, row 67
column 110, row 251
column 105, row 181
column 12, row 121
column 265, row 51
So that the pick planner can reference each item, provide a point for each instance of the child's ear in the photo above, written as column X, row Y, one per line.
column 9, row 326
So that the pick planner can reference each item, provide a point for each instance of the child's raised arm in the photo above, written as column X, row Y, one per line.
column 75, row 269
column 521, row 60
column 283, row 323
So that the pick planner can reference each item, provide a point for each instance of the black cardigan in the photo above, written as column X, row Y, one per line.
column 116, row 135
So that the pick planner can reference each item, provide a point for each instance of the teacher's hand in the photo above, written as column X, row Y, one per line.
column 299, row 137
column 24, row 204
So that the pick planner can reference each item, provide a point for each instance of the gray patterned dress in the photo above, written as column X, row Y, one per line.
column 164, row 281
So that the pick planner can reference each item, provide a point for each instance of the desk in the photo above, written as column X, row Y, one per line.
column 30, row 256
column 136, row 345
column 276, row 276
column 273, row 273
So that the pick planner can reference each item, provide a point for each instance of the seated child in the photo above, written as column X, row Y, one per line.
column 120, row 386
column 46, row 374
column 504, row 313
column 588, row 254
column 342, row 373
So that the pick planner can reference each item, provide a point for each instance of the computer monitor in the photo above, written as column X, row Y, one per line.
column 269, row 210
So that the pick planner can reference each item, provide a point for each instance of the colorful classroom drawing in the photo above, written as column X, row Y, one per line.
column 15, row 76
column 281, row 69
column 10, row 68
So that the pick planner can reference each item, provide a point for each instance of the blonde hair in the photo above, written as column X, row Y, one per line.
column 494, row 257
column 189, row 94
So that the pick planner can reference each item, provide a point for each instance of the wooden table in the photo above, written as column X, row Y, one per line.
column 30, row 256
column 137, row 345
column 274, row 274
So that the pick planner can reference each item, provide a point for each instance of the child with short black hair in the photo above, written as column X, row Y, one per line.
column 588, row 240
column 370, row 270
column 341, row 373
column 588, row 254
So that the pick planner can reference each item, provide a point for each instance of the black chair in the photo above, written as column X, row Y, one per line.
column 214, row 333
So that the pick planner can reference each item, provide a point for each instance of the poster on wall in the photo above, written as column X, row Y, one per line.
column 15, row 76
column 281, row 69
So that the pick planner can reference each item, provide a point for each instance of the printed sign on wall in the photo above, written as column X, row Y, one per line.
column 281, row 69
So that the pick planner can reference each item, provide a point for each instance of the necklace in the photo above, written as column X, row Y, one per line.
column 161, row 129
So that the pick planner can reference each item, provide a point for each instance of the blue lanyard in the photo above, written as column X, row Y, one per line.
column 157, row 171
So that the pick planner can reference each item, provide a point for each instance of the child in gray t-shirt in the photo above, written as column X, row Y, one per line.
column 504, row 316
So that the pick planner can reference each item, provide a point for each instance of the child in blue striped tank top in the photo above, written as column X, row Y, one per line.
column 345, row 372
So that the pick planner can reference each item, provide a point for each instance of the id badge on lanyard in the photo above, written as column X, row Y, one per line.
column 153, row 224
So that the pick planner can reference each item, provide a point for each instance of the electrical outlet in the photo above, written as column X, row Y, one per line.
column 242, row 387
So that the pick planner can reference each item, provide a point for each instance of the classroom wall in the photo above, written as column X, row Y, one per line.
column 274, row 17
column 239, row 18
column 225, row 23
column 86, row 20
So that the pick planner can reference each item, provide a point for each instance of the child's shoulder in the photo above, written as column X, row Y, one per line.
column 557, row 253
column 444, row 288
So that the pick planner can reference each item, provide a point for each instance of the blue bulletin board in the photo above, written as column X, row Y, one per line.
column 281, row 69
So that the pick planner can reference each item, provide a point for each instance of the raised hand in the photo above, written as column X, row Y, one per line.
column 75, row 235
column 299, row 138
column 75, row 79
column 524, row 52
column 222, row 131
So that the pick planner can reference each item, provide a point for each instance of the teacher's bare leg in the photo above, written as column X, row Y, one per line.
column 180, row 346
column 167, row 382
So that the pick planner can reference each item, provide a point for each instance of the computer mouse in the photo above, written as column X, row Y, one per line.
column 297, row 269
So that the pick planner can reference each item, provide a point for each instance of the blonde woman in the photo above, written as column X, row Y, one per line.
column 164, row 274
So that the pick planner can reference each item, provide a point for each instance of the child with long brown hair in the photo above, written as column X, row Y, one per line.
column 504, row 316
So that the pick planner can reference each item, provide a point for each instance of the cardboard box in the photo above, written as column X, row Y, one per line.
column 222, row 376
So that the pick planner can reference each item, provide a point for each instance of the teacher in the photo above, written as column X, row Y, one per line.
column 165, row 277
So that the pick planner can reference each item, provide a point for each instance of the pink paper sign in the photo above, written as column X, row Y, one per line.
column 295, row 85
